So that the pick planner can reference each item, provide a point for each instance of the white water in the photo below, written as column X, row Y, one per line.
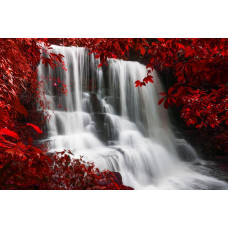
column 117, row 126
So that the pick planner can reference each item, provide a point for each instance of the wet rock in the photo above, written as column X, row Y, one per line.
column 105, row 129
column 185, row 151
column 96, row 103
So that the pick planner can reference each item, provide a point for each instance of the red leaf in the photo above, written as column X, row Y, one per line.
column 170, row 90
column 137, row 83
column 5, row 146
column 180, row 46
column 148, row 79
column 161, row 100
column 142, row 84
column 189, row 52
column 179, row 92
column 100, row 64
column 35, row 127
column 143, row 50
column 163, row 94
column 145, row 80
column 161, row 40
column 166, row 105
column 20, row 108
column 6, row 131
column 190, row 90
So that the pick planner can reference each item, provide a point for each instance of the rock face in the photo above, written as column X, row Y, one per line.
column 96, row 103
column 105, row 128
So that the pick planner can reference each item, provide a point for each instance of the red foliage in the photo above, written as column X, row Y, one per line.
column 34, row 170
column 200, row 68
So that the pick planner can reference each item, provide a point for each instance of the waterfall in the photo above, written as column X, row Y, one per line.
column 119, row 127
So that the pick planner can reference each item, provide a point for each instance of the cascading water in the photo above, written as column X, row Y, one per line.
column 117, row 126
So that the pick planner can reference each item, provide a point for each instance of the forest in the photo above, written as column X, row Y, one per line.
column 193, row 72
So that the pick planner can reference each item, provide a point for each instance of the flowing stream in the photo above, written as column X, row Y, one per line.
column 117, row 126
